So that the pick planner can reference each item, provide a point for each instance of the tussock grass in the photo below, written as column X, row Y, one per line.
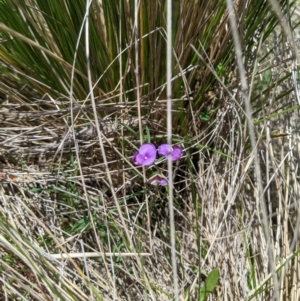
column 78, row 221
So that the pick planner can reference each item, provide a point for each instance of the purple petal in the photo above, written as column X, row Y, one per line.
column 139, row 159
column 162, row 181
column 177, row 153
column 147, row 148
column 146, row 155
column 164, row 149
column 134, row 160
column 158, row 180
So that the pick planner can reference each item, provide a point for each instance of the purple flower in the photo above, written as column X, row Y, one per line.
column 158, row 180
column 167, row 150
column 146, row 155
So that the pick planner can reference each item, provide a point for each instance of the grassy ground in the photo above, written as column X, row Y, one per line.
column 80, row 221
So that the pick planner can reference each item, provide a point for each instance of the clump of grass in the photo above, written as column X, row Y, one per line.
column 82, row 86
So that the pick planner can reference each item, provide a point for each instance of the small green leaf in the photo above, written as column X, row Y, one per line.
column 131, row 130
column 210, row 284
column 148, row 136
column 206, row 115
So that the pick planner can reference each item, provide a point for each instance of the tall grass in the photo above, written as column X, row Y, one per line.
column 83, row 85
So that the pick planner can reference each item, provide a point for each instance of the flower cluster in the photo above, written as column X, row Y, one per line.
column 147, row 155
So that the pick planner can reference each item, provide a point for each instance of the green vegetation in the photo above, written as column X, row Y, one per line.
column 83, row 84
